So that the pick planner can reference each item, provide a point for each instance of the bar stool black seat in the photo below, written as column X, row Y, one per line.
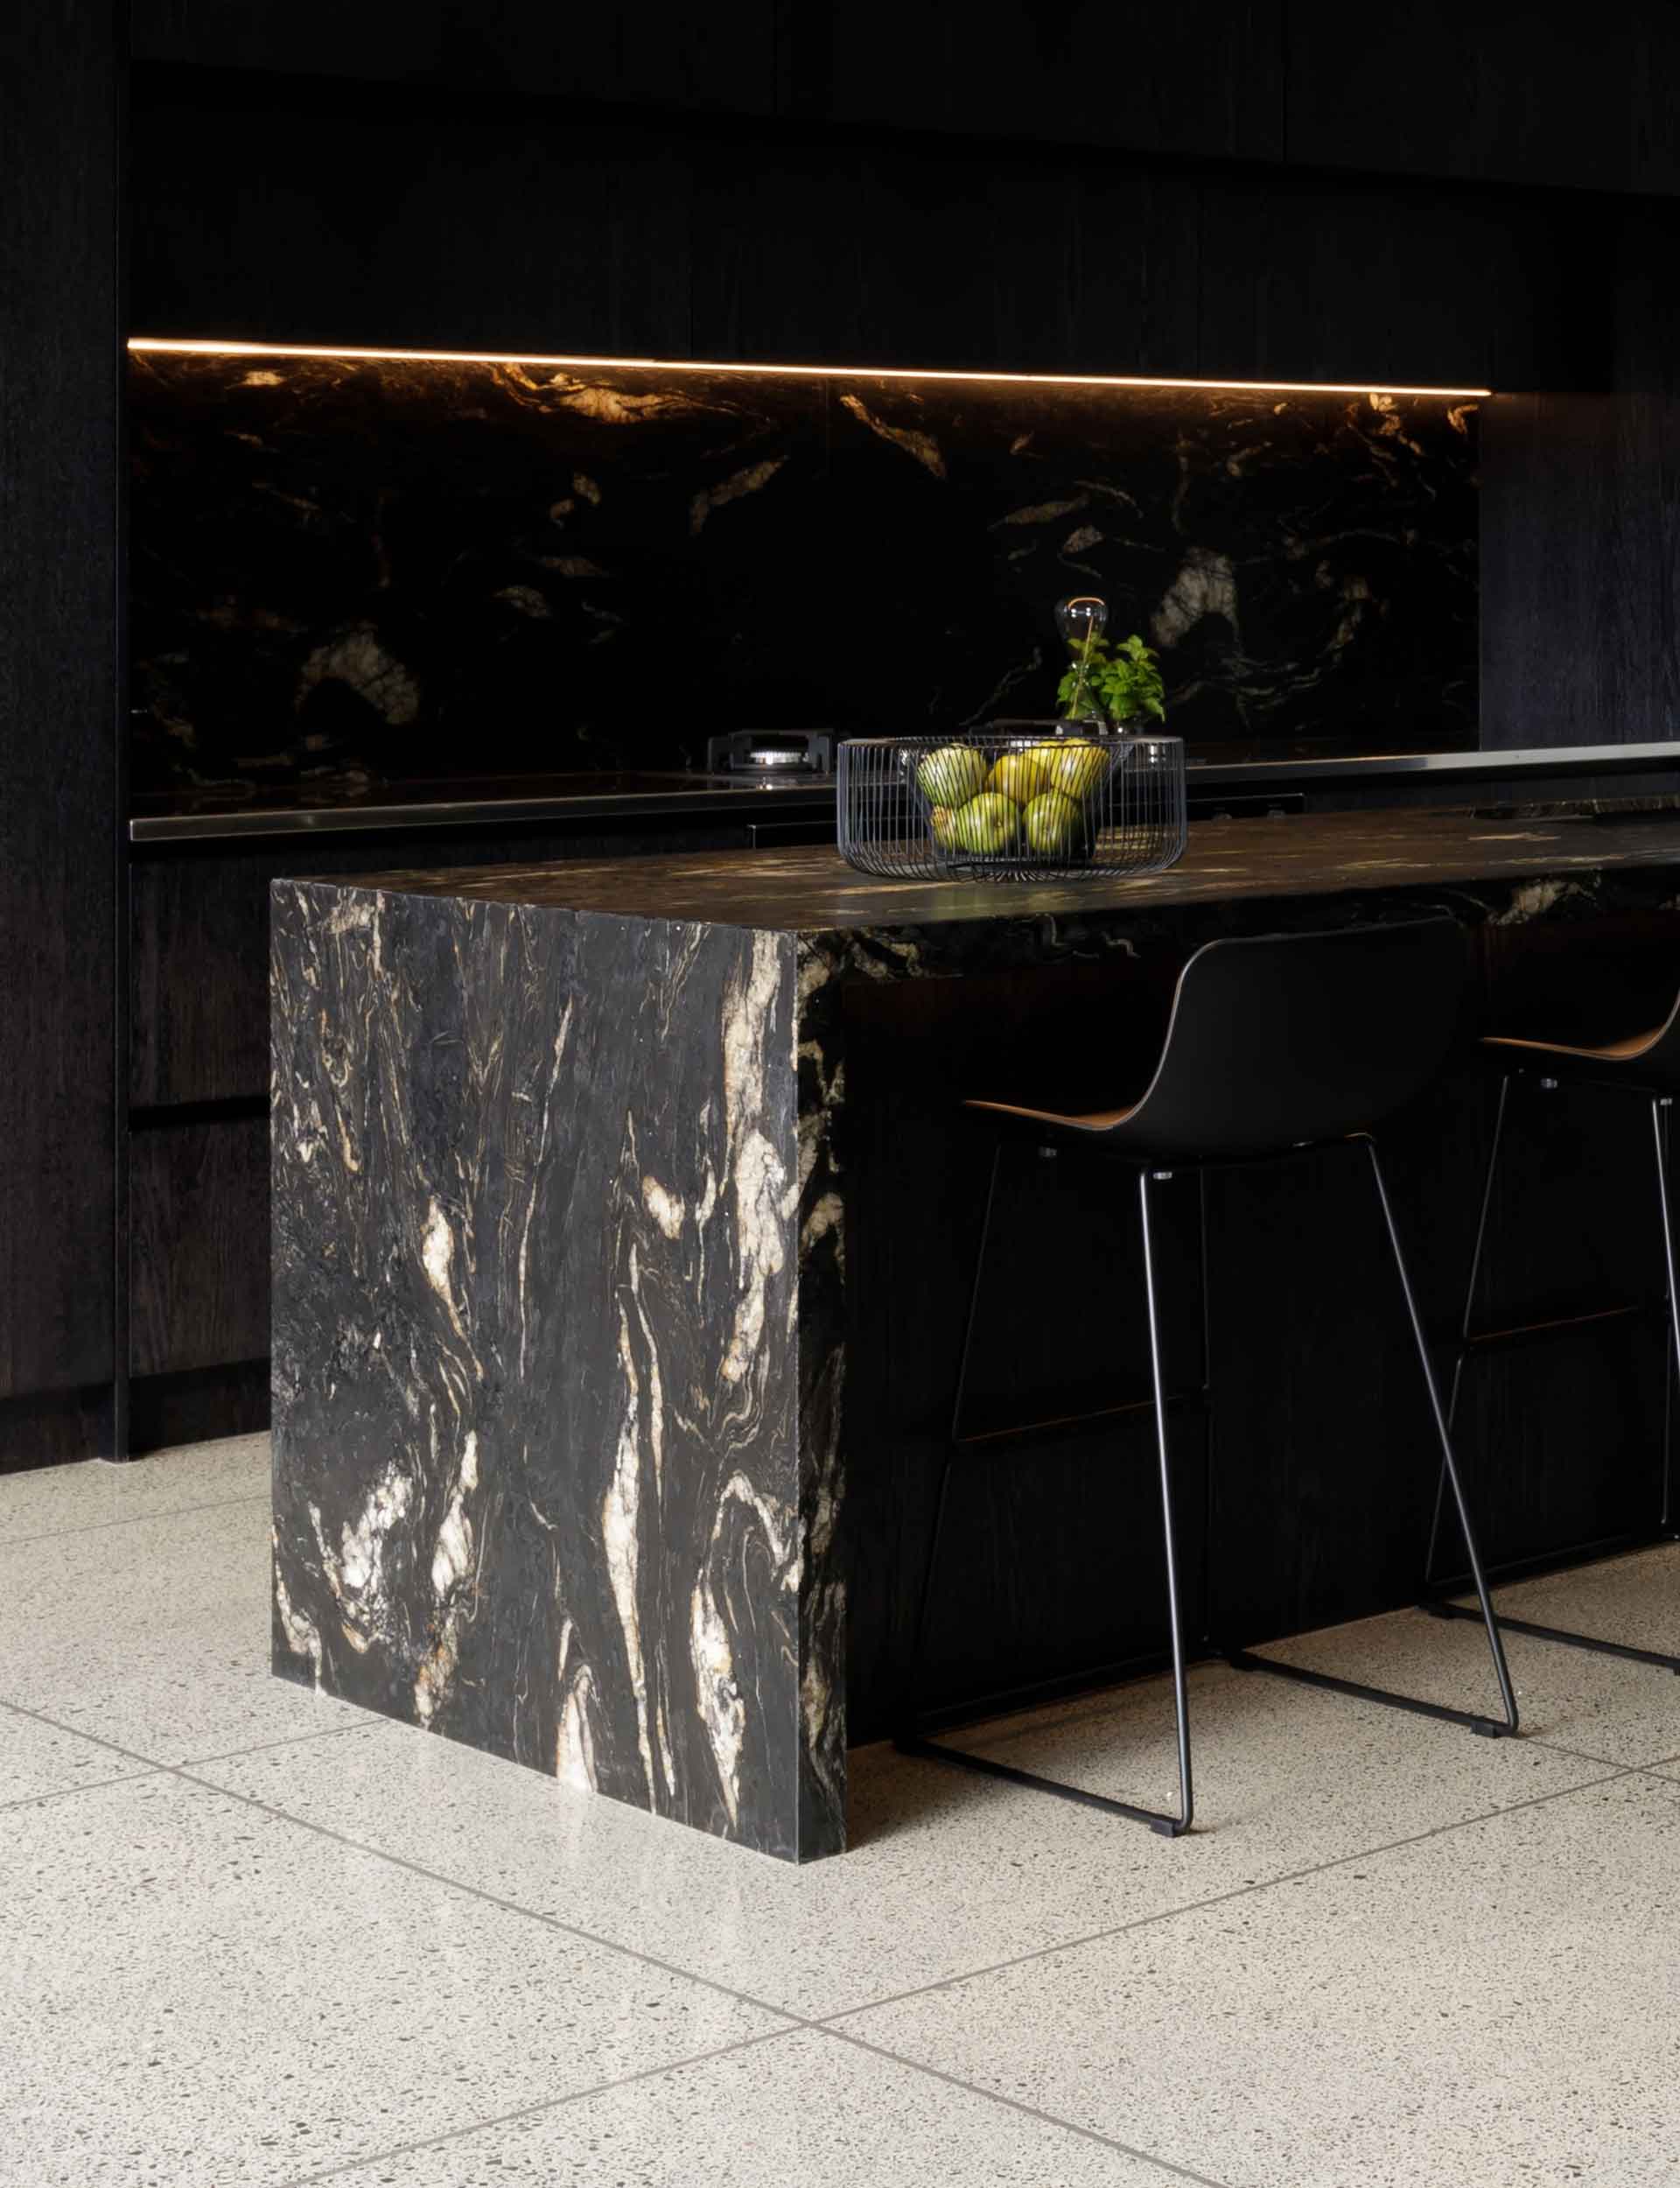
column 1275, row 1046
column 1641, row 1067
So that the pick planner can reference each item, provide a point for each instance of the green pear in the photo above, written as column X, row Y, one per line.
column 1055, row 826
column 1079, row 768
column 952, row 775
column 988, row 823
column 1021, row 775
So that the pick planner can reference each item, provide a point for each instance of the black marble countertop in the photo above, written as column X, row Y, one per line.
column 371, row 809
column 812, row 891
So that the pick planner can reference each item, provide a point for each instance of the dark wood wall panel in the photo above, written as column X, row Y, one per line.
column 1489, row 89
column 1205, row 78
column 54, row 1427
column 736, row 57
column 401, row 228
column 1484, row 90
column 198, row 1244
column 59, row 368
column 1580, row 529
column 1549, row 513
column 198, row 958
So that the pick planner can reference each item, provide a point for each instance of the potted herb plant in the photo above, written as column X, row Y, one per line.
column 1122, row 680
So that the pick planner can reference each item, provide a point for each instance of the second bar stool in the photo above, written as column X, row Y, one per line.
column 1641, row 1070
column 1275, row 1046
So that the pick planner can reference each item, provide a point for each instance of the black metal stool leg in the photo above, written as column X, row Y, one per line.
column 1662, row 1119
column 1491, row 1726
column 912, row 1739
column 1562, row 1635
column 1464, row 1322
column 1180, row 1695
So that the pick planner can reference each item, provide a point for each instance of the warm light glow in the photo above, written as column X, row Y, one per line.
column 804, row 372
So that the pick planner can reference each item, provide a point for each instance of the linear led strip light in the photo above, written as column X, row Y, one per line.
column 210, row 348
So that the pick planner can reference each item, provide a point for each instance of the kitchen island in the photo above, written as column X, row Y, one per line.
column 620, row 1212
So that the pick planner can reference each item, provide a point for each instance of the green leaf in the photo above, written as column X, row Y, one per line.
column 1124, row 676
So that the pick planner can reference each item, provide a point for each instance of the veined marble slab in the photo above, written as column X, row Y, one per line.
column 559, row 1324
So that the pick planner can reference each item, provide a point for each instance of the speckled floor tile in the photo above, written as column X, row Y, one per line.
column 948, row 1872
column 196, row 1993
column 37, row 1759
column 808, row 2111
column 54, row 1499
column 1600, row 1706
column 1492, row 2007
column 154, row 1635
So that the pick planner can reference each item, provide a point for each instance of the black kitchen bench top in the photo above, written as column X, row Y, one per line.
column 810, row 890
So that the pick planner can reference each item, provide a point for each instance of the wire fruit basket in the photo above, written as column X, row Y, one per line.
column 1020, row 802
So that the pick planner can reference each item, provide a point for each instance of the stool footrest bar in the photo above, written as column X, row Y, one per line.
column 1488, row 1727
column 1553, row 1325
column 1187, row 1402
column 1561, row 1635
column 935, row 1751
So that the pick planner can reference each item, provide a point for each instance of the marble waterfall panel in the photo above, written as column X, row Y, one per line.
column 540, row 1364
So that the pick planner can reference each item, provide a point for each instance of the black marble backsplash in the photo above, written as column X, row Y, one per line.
column 381, row 571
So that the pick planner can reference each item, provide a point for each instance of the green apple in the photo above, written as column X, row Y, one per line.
column 1080, row 767
column 952, row 775
column 988, row 823
column 1021, row 775
column 944, row 826
column 1055, row 826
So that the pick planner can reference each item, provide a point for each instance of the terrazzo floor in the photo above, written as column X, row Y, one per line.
column 249, row 1937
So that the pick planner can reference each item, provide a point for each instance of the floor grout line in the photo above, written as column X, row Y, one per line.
column 130, row 1519
column 524, row 2114
column 1577, row 1754
column 1032, row 2112
column 94, row 1739
column 1224, row 1898
column 64, row 1792
column 365, row 1722
column 489, row 1899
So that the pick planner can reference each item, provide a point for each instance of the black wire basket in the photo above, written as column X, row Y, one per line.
column 1018, row 802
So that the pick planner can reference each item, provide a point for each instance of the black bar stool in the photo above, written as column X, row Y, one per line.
column 1644, row 1068
column 1275, row 1046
